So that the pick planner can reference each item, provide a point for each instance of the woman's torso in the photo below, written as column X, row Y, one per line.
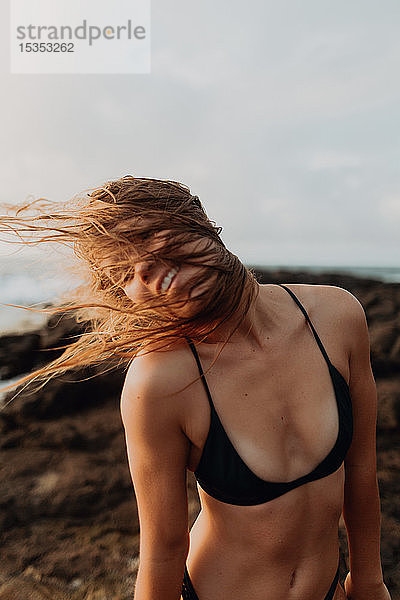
column 279, row 409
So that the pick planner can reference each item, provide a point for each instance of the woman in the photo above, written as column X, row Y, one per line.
column 265, row 392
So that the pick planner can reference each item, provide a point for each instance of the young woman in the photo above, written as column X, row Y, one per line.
column 265, row 392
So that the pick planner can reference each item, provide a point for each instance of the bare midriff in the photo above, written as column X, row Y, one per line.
column 279, row 409
column 284, row 548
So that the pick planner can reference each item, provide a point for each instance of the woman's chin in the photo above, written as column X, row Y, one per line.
column 185, row 308
column 185, row 299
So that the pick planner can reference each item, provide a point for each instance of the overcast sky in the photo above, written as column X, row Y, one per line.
column 282, row 116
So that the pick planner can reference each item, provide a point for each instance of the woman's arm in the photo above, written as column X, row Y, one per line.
column 361, row 509
column 157, row 454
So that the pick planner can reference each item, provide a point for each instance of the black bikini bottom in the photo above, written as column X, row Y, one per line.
column 188, row 592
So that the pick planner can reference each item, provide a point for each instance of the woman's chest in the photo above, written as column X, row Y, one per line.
column 280, row 415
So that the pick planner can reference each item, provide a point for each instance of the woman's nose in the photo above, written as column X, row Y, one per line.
column 142, row 270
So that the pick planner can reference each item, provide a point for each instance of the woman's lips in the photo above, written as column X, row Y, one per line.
column 165, row 282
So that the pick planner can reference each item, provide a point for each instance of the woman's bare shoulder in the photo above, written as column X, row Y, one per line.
column 158, row 375
column 336, row 313
column 334, row 298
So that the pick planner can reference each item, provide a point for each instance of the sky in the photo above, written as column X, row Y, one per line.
column 283, row 117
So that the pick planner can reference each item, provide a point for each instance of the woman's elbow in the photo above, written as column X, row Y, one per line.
column 167, row 546
column 175, row 544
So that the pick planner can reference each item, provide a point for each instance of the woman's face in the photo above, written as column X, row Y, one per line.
column 154, row 278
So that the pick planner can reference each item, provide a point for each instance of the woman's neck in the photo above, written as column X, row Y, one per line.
column 252, row 329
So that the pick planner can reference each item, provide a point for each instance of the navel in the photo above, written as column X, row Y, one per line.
column 293, row 577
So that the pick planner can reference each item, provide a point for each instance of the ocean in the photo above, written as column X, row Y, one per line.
column 31, row 282
column 35, row 283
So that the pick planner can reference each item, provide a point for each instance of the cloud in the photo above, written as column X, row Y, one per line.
column 322, row 160
column 279, row 117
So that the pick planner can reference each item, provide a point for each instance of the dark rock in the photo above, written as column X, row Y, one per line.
column 68, row 516
column 68, row 394
column 22, row 352
column 18, row 354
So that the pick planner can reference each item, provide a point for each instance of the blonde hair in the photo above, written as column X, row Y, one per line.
column 110, row 225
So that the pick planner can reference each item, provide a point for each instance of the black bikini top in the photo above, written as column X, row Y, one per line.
column 222, row 473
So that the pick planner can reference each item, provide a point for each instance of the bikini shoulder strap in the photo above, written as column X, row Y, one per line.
column 203, row 377
column 321, row 347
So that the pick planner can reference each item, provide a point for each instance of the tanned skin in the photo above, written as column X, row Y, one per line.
column 272, row 390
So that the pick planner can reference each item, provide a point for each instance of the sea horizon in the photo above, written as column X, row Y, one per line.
column 33, row 286
column 388, row 274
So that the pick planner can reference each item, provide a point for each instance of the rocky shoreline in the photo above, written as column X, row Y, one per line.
column 69, row 526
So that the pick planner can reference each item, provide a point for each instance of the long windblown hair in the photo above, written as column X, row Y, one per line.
column 110, row 229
